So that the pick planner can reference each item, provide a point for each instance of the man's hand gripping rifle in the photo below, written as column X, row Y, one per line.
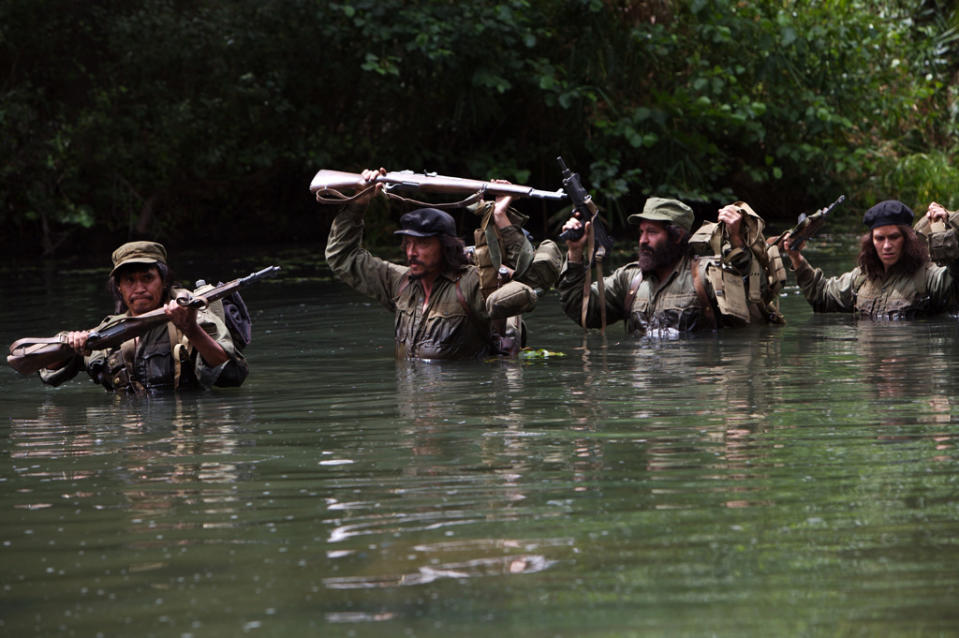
column 30, row 354
column 598, row 243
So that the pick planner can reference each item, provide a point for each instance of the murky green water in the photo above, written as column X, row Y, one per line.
column 789, row 481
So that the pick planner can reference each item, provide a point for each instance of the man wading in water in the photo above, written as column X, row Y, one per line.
column 440, row 311
column 193, row 350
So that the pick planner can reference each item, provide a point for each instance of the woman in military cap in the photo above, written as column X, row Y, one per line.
column 894, row 278
column 193, row 350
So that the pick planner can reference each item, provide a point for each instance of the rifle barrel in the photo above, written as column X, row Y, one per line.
column 29, row 354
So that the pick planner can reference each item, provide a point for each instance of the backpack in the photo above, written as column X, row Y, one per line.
column 488, row 249
column 233, row 312
column 756, row 296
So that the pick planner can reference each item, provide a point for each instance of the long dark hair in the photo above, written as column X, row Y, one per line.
column 166, row 274
column 915, row 255
column 454, row 251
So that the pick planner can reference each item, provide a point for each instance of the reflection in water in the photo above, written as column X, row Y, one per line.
column 147, row 442
column 728, row 484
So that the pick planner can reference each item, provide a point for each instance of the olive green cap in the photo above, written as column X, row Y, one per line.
column 661, row 209
column 138, row 252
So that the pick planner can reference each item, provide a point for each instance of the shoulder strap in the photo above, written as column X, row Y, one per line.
column 462, row 299
column 634, row 285
column 179, row 350
column 708, row 311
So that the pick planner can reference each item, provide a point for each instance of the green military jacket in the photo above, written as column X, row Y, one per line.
column 455, row 324
column 656, row 307
column 931, row 289
column 147, row 364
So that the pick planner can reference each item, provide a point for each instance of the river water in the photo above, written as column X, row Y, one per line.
column 799, row 480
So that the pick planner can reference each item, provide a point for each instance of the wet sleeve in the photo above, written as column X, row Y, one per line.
column 570, row 289
column 517, row 251
column 355, row 266
column 543, row 273
column 62, row 374
column 835, row 294
column 942, row 286
column 230, row 373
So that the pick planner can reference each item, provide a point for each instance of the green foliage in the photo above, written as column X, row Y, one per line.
column 922, row 178
column 173, row 119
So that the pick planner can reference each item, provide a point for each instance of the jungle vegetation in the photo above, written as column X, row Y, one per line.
column 202, row 121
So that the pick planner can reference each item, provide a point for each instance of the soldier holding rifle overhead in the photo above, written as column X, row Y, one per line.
column 440, row 310
column 894, row 278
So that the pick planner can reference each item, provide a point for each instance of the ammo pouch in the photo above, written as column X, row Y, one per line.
column 730, row 291
column 118, row 372
column 777, row 269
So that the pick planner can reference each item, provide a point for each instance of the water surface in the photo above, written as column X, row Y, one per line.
column 797, row 480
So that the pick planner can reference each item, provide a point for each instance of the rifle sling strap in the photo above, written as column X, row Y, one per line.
column 340, row 198
column 25, row 343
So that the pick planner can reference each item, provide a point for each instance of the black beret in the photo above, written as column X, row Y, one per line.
column 426, row 222
column 889, row 212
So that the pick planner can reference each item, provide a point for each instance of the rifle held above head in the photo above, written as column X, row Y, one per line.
column 30, row 354
column 583, row 205
column 598, row 243
column 327, row 181
column 807, row 226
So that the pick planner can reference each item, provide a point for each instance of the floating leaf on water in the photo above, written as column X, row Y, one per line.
column 539, row 353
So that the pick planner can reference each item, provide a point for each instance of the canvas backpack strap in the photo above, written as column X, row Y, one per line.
column 708, row 311
column 179, row 350
column 634, row 285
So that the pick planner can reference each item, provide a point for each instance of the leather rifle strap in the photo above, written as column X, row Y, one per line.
column 587, row 280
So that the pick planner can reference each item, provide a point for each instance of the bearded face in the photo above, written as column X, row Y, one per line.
column 657, row 249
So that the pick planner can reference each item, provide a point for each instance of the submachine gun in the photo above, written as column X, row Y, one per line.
column 807, row 226
column 598, row 244
column 30, row 354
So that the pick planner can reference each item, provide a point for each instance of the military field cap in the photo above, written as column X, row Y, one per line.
column 426, row 222
column 138, row 252
column 887, row 213
column 661, row 209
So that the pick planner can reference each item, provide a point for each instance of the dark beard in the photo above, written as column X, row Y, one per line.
column 652, row 259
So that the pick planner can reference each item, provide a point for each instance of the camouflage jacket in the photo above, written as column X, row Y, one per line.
column 656, row 306
column 930, row 290
column 147, row 363
column 455, row 324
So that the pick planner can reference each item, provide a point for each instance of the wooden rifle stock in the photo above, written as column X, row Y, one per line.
column 327, row 180
column 30, row 354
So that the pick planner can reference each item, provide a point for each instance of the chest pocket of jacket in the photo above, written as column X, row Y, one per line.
column 443, row 331
column 155, row 367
